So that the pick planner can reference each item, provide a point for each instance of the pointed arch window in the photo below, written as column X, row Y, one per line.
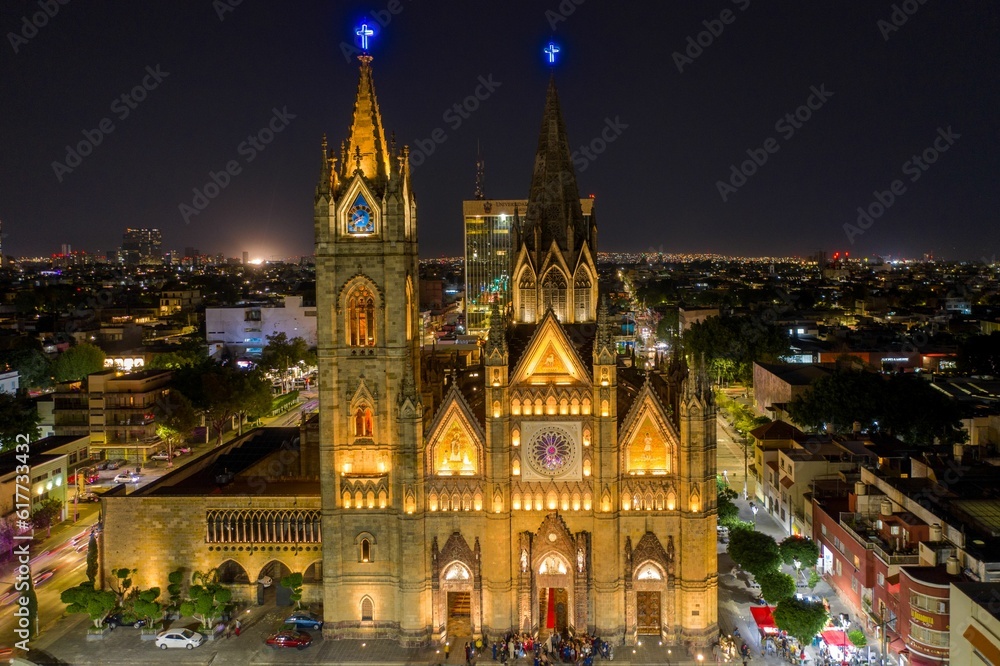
column 554, row 293
column 367, row 610
column 526, row 289
column 581, row 297
column 361, row 318
column 363, row 422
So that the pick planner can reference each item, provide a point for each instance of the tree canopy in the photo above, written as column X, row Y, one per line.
column 800, row 618
column 775, row 586
column 731, row 344
column 85, row 599
column 77, row 362
column 175, row 419
column 18, row 416
column 903, row 406
column 756, row 552
column 801, row 549
column 33, row 367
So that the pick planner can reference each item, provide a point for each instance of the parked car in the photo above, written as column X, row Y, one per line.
column 184, row 448
column 179, row 638
column 304, row 619
column 88, row 497
column 160, row 455
column 101, row 465
column 116, row 463
column 120, row 619
column 289, row 639
column 89, row 475
column 127, row 477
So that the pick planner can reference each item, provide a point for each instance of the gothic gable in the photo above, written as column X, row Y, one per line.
column 455, row 441
column 648, row 439
column 550, row 357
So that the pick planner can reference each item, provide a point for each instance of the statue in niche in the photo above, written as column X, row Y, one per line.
column 670, row 555
column 524, row 561
column 580, row 559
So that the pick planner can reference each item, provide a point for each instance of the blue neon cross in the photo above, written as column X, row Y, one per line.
column 364, row 33
column 551, row 50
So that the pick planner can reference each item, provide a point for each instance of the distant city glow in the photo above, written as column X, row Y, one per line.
column 256, row 262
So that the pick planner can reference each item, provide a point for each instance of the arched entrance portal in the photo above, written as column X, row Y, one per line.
column 269, row 588
column 456, row 589
column 554, row 579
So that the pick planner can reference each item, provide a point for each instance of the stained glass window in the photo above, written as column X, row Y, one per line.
column 552, row 451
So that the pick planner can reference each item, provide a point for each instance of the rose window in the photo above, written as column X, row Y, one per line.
column 551, row 451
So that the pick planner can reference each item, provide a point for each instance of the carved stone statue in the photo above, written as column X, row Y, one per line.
column 628, row 557
column 524, row 561
column 580, row 560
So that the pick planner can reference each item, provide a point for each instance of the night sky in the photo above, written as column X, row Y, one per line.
column 896, row 90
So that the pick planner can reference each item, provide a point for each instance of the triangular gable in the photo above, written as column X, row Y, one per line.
column 455, row 441
column 648, row 439
column 550, row 357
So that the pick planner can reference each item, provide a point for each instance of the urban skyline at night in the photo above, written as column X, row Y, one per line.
column 727, row 128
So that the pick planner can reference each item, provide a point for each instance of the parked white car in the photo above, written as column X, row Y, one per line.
column 126, row 477
column 160, row 455
column 179, row 638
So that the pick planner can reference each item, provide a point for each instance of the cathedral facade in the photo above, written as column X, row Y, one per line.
column 548, row 487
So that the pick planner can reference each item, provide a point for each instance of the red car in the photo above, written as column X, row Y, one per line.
column 290, row 639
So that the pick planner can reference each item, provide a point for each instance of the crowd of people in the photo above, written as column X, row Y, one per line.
column 555, row 649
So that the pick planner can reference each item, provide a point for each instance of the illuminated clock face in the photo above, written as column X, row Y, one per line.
column 360, row 221
column 551, row 451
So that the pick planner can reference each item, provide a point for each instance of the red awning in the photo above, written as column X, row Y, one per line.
column 763, row 616
column 836, row 637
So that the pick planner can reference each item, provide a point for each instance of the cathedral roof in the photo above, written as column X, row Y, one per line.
column 554, row 199
column 366, row 147
column 518, row 336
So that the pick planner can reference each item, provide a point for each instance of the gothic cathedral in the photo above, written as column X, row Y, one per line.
column 549, row 487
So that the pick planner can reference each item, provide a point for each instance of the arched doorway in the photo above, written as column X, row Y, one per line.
column 650, row 589
column 555, row 584
column 269, row 589
column 457, row 588
column 232, row 572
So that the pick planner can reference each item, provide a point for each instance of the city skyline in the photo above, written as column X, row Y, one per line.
column 739, row 129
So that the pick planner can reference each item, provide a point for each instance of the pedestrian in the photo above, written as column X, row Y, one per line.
column 236, row 629
column 447, row 650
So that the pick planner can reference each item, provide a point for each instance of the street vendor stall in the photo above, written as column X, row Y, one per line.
column 838, row 644
column 764, row 617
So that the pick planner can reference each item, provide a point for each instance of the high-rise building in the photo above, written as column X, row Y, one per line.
column 141, row 246
column 489, row 255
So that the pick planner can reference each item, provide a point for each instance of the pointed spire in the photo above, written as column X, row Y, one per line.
column 554, row 199
column 367, row 142
column 497, row 337
column 604, row 339
column 323, row 186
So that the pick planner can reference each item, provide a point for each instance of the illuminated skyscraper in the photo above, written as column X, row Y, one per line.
column 488, row 255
